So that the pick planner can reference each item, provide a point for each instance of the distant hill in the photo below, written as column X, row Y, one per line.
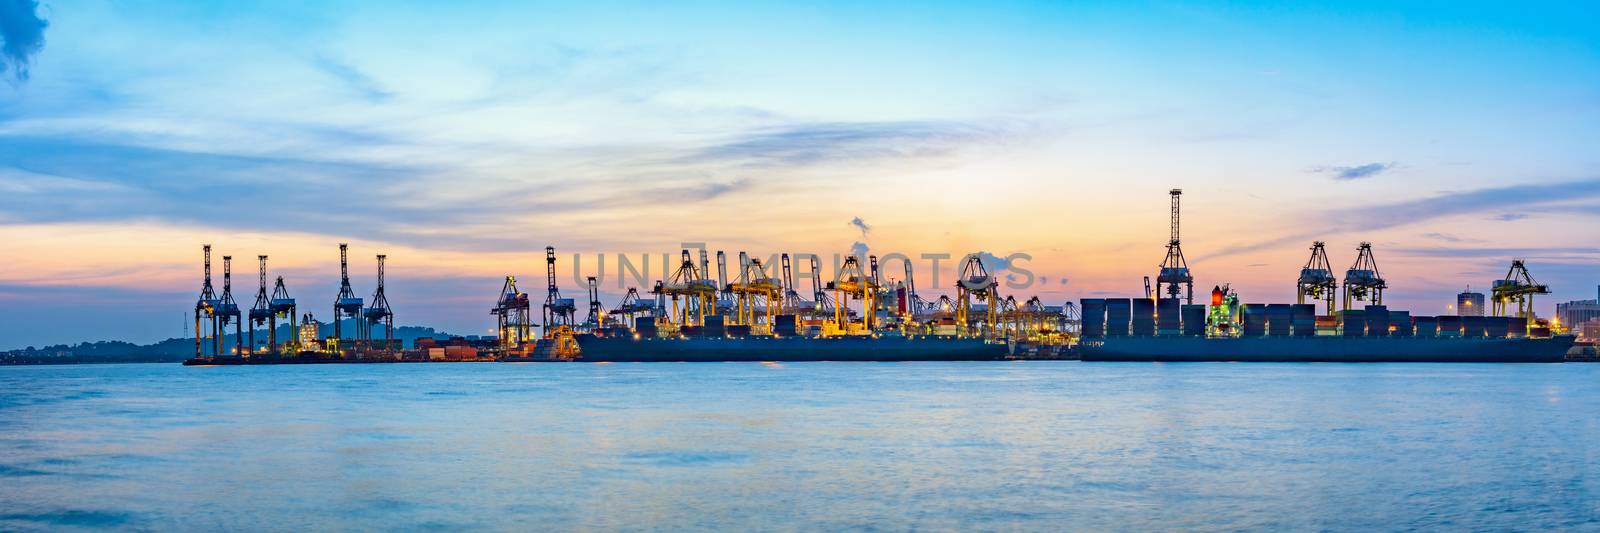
column 168, row 351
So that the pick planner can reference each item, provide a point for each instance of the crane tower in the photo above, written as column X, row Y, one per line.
column 228, row 311
column 1362, row 282
column 975, row 281
column 1174, row 269
column 1518, row 286
column 284, row 306
column 261, row 311
column 511, row 315
column 347, row 304
column 380, row 312
column 205, row 312
column 558, row 311
column 1317, row 281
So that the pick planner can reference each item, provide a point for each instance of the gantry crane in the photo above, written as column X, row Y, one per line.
column 975, row 283
column 854, row 284
column 756, row 295
column 692, row 296
column 558, row 311
column 597, row 314
column 205, row 313
column 283, row 306
column 823, row 308
column 793, row 303
column 380, row 312
column 228, row 310
column 261, row 311
column 1518, row 286
column 1317, row 281
column 511, row 315
column 346, row 305
column 1362, row 282
column 1174, row 269
column 632, row 306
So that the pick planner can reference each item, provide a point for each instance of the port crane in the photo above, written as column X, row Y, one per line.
column 283, row 306
column 757, row 295
column 228, row 310
column 558, row 311
column 1518, row 287
column 691, row 296
column 597, row 313
column 823, row 307
column 205, row 313
column 1362, row 282
column 380, row 312
column 853, row 283
column 511, row 315
column 632, row 306
column 793, row 303
column 1174, row 269
column 1317, row 281
column 346, row 305
column 974, row 286
column 261, row 311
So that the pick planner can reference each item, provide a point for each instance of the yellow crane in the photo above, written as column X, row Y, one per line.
column 691, row 296
column 757, row 295
column 853, row 284
column 975, row 285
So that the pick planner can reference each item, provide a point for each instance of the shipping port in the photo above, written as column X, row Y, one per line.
column 867, row 314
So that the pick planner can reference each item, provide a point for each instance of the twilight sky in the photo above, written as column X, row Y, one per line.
column 460, row 138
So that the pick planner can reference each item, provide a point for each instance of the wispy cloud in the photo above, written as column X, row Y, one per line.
column 1347, row 173
column 352, row 78
column 22, row 32
column 1382, row 216
column 807, row 144
column 1510, row 217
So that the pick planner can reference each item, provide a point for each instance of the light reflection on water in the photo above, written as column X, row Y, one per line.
column 801, row 446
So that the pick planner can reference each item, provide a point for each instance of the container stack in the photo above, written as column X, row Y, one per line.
column 785, row 326
column 1303, row 320
column 1144, row 317
column 1377, row 321
column 1427, row 326
column 1495, row 327
column 1094, row 317
column 1119, row 311
column 1449, row 326
column 1169, row 321
column 645, row 326
column 1517, row 327
column 1400, row 324
column 1194, row 320
column 1473, row 326
column 1354, row 322
column 1254, row 317
column 714, row 326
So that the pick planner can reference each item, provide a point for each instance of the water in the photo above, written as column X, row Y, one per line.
column 801, row 447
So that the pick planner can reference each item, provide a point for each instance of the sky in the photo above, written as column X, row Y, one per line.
column 461, row 138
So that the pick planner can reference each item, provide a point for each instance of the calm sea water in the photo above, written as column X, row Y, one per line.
column 801, row 447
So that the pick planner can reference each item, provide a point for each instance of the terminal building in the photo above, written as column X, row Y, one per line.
column 1578, row 314
column 1470, row 303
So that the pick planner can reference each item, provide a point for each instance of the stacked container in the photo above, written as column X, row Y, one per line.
column 1094, row 317
column 1400, row 323
column 1279, row 318
column 1473, row 326
column 1144, row 317
column 1449, row 326
column 1427, row 326
column 1495, row 327
column 1194, row 320
column 1517, row 327
column 1119, row 311
column 1168, row 319
column 1354, row 322
column 1303, row 320
column 713, row 326
column 785, row 326
column 1377, row 321
column 1254, row 317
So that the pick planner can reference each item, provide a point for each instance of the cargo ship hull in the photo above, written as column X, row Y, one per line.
column 1329, row 349
column 628, row 349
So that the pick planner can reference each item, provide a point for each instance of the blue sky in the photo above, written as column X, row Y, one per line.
column 461, row 138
